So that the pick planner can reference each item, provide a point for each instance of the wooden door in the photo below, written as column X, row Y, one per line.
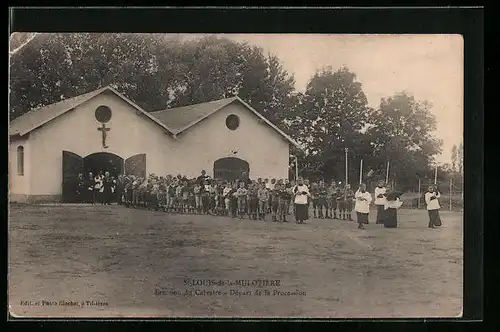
column 136, row 165
column 72, row 165
column 231, row 168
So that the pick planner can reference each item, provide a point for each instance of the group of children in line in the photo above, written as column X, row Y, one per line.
column 254, row 199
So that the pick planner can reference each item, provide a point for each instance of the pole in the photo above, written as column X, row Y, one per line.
column 436, row 175
column 451, row 191
column 296, row 168
column 419, row 189
column 387, row 174
column 346, row 166
column 361, row 172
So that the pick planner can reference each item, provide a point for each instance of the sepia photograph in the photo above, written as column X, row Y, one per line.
column 235, row 175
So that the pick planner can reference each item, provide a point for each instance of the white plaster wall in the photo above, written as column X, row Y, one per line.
column 196, row 149
column 262, row 147
column 19, row 184
column 77, row 132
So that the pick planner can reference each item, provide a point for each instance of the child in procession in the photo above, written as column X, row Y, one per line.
column 349, row 202
column 253, row 201
column 283, row 199
column 172, row 195
column 332, row 194
column 345, row 203
column 162, row 192
column 211, row 197
column 178, row 196
column 205, row 196
column 322, row 202
column 226, row 194
column 234, row 200
column 197, row 197
column 241, row 194
column 219, row 199
column 314, row 197
column 274, row 202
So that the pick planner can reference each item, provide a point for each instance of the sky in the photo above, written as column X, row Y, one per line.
column 429, row 67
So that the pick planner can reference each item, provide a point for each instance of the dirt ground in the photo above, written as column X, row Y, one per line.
column 140, row 263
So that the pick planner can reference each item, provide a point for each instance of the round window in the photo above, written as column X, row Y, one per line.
column 103, row 114
column 232, row 122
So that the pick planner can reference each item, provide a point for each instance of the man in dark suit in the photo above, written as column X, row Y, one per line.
column 202, row 178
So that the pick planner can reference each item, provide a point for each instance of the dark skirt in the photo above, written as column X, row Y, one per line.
column 380, row 214
column 362, row 218
column 391, row 218
column 301, row 212
column 434, row 218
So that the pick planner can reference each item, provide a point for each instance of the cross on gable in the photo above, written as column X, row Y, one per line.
column 104, row 132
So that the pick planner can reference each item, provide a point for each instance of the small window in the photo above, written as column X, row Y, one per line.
column 20, row 160
column 103, row 114
column 232, row 122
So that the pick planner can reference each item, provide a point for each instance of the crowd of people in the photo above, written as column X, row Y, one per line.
column 253, row 199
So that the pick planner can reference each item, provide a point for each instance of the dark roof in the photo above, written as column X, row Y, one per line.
column 181, row 117
column 174, row 120
column 35, row 118
column 40, row 116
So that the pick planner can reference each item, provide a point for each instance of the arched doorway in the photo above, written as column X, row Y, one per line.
column 231, row 168
column 103, row 161
column 73, row 164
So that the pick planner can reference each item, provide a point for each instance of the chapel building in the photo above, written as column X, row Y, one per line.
column 105, row 131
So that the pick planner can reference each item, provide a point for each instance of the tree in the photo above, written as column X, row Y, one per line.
column 221, row 68
column 155, row 71
column 62, row 65
column 402, row 132
column 460, row 158
column 454, row 157
column 332, row 114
